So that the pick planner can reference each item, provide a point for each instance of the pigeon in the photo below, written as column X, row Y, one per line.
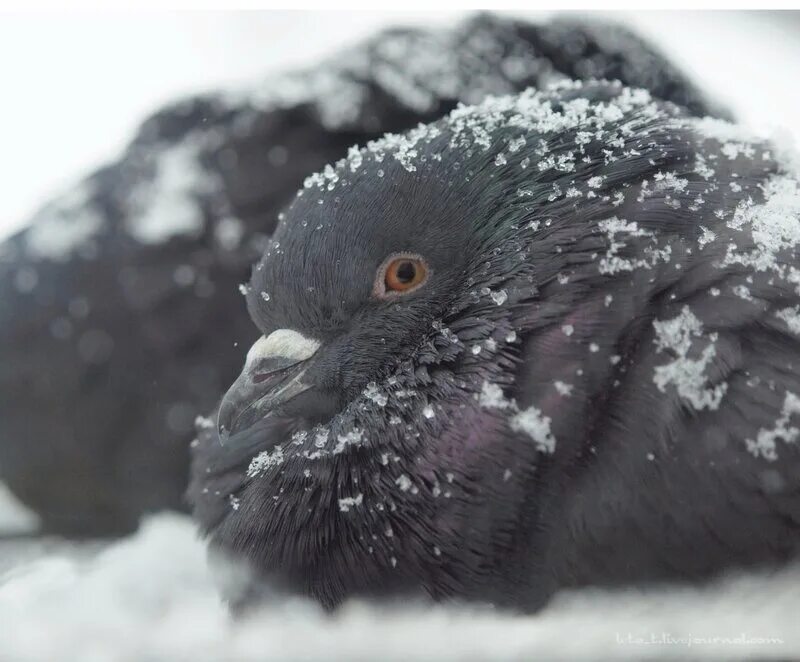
column 548, row 341
column 120, row 319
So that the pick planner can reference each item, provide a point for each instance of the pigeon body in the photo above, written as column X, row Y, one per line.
column 592, row 381
column 119, row 313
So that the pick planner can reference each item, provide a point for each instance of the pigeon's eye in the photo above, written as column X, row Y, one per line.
column 399, row 274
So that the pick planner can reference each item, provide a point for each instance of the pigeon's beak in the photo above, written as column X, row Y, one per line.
column 272, row 375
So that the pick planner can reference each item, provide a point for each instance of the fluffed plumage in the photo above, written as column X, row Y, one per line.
column 598, row 383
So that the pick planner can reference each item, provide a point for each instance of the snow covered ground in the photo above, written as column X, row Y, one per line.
column 152, row 596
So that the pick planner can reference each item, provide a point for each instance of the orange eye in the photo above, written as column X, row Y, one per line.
column 400, row 274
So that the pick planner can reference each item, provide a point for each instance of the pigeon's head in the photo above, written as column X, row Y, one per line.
column 364, row 263
column 418, row 232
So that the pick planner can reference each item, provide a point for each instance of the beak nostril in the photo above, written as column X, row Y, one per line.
column 272, row 369
column 271, row 377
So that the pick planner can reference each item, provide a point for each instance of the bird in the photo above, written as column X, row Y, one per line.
column 120, row 318
column 549, row 341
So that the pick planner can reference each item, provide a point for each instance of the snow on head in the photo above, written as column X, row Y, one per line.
column 533, row 112
column 678, row 337
column 613, row 262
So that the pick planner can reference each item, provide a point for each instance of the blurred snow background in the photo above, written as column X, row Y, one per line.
column 75, row 87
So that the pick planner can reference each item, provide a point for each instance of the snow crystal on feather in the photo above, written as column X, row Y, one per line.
column 491, row 396
column 64, row 226
column 721, row 130
column 168, row 205
column 792, row 318
column 532, row 422
column 687, row 375
column 734, row 139
column 264, row 460
column 531, row 112
column 774, row 227
column 616, row 228
column 764, row 443
column 346, row 503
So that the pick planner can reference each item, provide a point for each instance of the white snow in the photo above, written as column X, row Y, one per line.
column 679, row 335
column 346, row 503
column 64, row 226
column 775, row 227
column 532, row 422
column 491, row 395
column 373, row 392
column 499, row 297
column 616, row 229
column 563, row 388
column 264, row 460
column 168, row 205
column 153, row 597
column 792, row 318
column 764, row 443
column 14, row 516
column 351, row 438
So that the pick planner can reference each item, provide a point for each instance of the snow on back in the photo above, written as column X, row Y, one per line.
column 536, row 425
column 65, row 226
column 764, row 444
column 722, row 130
column 775, row 228
column 678, row 337
column 417, row 70
column 168, row 204
column 491, row 396
column 531, row 421
column 792, row 318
